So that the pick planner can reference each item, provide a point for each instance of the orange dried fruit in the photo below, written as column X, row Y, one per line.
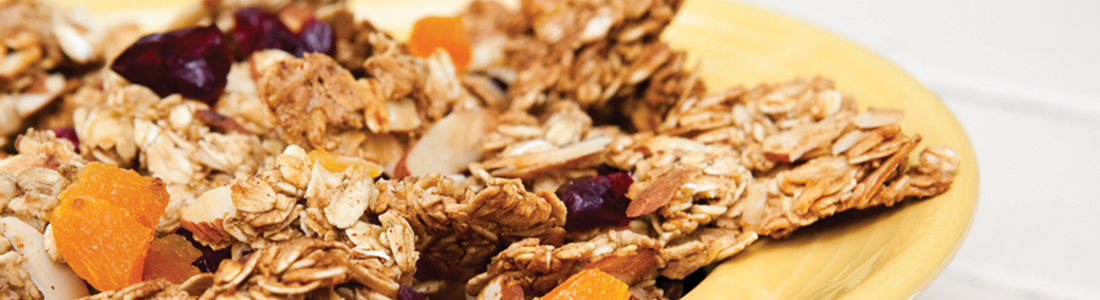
column 336, row 163
column 448, row 33
column 104, row 244
column 590, row 284
column 170, row 258
column 105, row 223
column 146, row 197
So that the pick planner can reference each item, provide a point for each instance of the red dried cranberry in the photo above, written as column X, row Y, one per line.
column 596, row 201
column 257, row 30
column 407, row 293
column 315, row 36
column 192, row 62
column 68, row 133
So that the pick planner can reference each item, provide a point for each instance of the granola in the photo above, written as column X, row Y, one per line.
column 374, row 172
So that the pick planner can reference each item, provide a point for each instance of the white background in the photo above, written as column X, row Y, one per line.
column 1023, row 77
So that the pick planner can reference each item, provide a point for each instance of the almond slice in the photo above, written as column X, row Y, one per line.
column 54, row 280
column 527, row 166
column 29, row 103
column 659, row 192
column 204, row 217
column 875, row 117
column 789, row 146
column 451, row 144
column 628, row 268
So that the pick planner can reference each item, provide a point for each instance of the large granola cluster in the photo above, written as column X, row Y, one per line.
column 372, row 171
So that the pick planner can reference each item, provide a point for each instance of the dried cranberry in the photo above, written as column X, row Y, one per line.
column 257, row 30
column 192, row 62
column 210, row 259
column 315, row 36
column 68, row 133
column 596, row 201
column 407, row 293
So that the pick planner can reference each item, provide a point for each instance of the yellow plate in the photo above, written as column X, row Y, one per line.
column 875, row 254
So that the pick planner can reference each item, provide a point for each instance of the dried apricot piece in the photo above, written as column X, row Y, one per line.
column 104, row 244
column 105, row 223
column 170, row 258
column 145, row 197
column 448, row 33
column 335, row 163
column 590, row 284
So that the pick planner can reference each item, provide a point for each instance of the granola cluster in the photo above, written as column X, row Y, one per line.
column 374, row 171
column 42, row 46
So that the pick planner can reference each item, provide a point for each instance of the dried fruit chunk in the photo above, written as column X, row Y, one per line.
column 316, row 36
column 104, row 244
column 407, row 293
column 257, row 30
column 105, row 223
column 596, row 201
column 170, row 258
column 144, row 197
column 441, row 32
column 193, row 62
column 590, row 284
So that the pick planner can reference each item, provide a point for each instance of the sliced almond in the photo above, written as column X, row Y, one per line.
column 54, row 280
column 875, row 117
column 628, row 268
column 402, row 115
column 847, row 141
column 17, row 62
column 29, row 103
column 789, row 146
column 204, row 217
column 451, row 144
column 528, row 165
column 658, row 193
column 76, row 46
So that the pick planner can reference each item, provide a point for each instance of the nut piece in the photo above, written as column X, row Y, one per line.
column 205, row 216
column 875, row 117
column 451, row 144
column 44, row 272
column 658, row 193
column 789, row 146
